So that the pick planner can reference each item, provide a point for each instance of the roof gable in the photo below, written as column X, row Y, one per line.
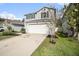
column 40, row 10
column 46, row 8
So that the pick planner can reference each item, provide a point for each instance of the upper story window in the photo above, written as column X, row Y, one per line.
column 45, row 14
column 30, row 16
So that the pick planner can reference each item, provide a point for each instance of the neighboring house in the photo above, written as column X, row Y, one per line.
column 3, row 24
column 39, row 21
column 16, row 25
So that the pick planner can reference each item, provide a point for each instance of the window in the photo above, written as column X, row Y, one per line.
column 30, row 16
column 45, row 14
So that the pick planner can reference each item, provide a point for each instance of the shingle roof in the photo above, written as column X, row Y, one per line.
column 38, row 20
column 12, row 21
column 15, row 22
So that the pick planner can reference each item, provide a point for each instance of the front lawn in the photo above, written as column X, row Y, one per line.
column 5, row 37
column 63, row 47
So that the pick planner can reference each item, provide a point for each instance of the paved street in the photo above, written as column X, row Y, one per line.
column 23, row 45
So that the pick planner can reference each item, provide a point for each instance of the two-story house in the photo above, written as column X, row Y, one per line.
column 38, row 22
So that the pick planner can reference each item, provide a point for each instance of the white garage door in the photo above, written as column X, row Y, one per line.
column 41, row 29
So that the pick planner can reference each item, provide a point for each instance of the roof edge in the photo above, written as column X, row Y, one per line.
column 41, row 9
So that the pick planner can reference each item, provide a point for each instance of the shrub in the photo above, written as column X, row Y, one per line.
column 0, row 33
column 5, row 33
column 23, row 30
column 9, row 28
column 61, row 34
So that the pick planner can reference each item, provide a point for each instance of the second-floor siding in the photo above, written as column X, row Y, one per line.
column 44, row 13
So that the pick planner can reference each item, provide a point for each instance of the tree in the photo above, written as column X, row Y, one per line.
column 22, row 30
column 9, row 28
column 72, row 15
column 52, row 25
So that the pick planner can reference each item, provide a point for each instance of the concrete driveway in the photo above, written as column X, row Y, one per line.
column 23, row 45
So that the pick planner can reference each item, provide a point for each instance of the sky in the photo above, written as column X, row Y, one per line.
column 17, row 10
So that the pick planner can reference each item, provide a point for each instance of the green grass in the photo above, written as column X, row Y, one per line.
column 63, row 47
column 4, row 37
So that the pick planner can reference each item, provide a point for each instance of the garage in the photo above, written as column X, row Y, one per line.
column 37, row 28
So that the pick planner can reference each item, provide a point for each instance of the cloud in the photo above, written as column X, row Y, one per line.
column 7, row 15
